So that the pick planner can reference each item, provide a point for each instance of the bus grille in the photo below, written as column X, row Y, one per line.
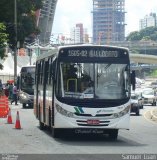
column 89, row 115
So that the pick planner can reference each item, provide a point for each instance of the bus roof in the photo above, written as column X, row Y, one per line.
column 92, row 45
column 54, row 51
column 28, row 66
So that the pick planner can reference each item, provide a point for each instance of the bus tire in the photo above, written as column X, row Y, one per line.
column 113, row 134
column 41, row 125
column 154, row 103
column 55, row 133
column 137, row 113
column 30, row 105
column 24, row 105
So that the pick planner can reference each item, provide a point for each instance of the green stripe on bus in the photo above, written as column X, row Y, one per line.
column 77, row 110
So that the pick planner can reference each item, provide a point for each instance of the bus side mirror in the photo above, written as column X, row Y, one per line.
column 133, row 80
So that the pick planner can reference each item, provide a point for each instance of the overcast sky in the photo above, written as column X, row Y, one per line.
column 70, row 12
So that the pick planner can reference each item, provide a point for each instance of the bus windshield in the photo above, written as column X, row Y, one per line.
column 93, row 80
column 27, row 82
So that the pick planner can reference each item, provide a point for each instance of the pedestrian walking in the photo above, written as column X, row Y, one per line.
column 6, row 90
column 1, row 88
column 10, row 91
column 15, row 92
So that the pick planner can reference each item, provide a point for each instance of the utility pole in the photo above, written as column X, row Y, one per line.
column 15, row 49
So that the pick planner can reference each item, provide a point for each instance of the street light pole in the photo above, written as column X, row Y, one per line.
column 15, row 49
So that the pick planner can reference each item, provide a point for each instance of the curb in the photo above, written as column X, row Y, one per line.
column 153, row 113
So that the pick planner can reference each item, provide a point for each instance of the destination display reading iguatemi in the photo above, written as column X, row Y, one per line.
column 92, row 53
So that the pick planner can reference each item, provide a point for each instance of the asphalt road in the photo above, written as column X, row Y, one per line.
column 140, row 139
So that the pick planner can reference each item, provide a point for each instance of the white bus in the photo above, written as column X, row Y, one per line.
column 84, row 89
column 26, row 86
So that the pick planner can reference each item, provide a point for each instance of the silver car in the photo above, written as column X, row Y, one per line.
column 149, row 96
column 136, row 103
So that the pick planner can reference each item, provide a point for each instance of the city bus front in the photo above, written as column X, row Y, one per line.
column 93, row 90
column 26, row 87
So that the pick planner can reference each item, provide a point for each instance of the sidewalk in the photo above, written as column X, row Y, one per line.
column 152, row 114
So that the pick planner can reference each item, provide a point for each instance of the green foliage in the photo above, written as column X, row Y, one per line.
column 3, row 42
column 26, row 20
column 154, row 73
column 134, row 36
column 149, row 33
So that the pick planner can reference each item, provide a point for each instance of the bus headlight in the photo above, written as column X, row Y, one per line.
column 24, row 96
column 122, row 113
column 63, row 111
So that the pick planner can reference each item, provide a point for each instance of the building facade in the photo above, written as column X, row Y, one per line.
column 78, row 34
column 45, row 21
column 108, row 21
column 148, row 21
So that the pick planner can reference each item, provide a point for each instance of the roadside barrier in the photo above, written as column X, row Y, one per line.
column 17, row 124
column 4, row 106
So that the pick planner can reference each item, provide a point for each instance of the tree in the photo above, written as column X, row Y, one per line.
column 149, row 33
column 26, row 19
column 3, row 42
column 134, row 36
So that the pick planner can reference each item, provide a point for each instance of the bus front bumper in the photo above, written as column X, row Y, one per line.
column 116, row 123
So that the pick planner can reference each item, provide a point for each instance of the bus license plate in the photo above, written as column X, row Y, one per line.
column 93, row 121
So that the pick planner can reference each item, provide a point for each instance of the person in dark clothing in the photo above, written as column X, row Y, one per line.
column 10, row 91
column 1, row 88
column 15, row 92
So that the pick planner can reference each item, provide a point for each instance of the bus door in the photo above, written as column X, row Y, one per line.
column 45, row 81
column 36, row 90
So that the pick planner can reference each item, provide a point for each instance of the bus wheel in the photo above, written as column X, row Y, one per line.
column 24, row 105
column 55, row 133
column 154, row 103
column 41, row 126
column 137, row 112
column 30, row 105
column 113, row 134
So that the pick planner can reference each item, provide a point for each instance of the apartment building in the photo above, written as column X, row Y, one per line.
column 148, row 21
column 108, row 21
column 45, row 21
column 79, row 34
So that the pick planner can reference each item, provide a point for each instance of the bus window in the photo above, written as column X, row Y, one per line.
column 26, row 85
column 107, row 80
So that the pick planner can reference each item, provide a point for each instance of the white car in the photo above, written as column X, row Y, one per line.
column 149, row 96
column 136, row 103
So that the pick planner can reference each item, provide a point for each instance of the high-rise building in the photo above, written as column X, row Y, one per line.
column 80, row 28
column 85, row 36
column 148, row 21
column 78, row 34
column 45, row 21
column 75, row 35
column 108, row 21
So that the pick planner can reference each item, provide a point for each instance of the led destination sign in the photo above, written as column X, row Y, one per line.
column 92, row 53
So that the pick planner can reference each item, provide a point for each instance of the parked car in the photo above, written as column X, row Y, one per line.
column 154, row 85
column 136, row 103
column 149, row 96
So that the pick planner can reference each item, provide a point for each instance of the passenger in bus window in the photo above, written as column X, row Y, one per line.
column 90, row 88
